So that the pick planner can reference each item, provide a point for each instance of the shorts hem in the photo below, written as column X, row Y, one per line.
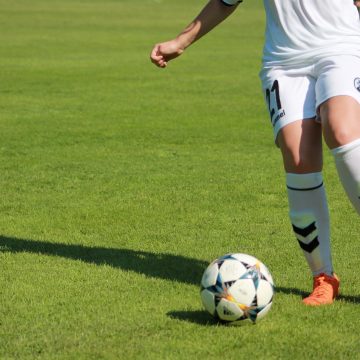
column 327, row 97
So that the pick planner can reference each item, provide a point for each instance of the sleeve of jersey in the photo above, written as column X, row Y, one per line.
column 231, row 2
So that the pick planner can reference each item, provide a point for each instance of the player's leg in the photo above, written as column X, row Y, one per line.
column 338, row 93
column 290, row 97
column 301, row 146
column 341, row 123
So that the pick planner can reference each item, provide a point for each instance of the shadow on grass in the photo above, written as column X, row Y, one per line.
column 200, row 317
column 163, row 266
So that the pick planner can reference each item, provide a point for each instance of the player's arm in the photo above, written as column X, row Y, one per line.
column 214, row 12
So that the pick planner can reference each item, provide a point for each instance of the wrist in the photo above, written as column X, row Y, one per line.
column 181, row 43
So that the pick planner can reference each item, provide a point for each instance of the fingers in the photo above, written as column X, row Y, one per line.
column 162, row 53
column 157, row 58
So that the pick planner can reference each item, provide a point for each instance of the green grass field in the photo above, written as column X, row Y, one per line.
column 120, row 182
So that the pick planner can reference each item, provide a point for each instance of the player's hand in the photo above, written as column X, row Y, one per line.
column 162, row 53
column 357, row 3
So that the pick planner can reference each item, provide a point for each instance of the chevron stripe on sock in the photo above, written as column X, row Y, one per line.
column 311, row 246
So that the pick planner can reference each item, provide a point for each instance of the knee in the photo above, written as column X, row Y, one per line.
column 301, row 147
column 336, row 133
column 335, row 137
column 300, row 163
column 302, row 159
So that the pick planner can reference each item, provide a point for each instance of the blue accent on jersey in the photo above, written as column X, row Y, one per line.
column 231, row 4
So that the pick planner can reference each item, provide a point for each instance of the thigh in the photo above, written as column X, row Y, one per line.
column 338, row 99
column 340, row 116
column 301, row 146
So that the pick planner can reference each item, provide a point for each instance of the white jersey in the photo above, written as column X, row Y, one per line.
column 299, row 31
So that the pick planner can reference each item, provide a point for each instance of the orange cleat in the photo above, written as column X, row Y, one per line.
column 325, row 290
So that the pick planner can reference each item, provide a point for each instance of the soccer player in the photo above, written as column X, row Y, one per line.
column 311, row 82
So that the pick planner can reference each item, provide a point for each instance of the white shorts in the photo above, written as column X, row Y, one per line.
column 295, row 93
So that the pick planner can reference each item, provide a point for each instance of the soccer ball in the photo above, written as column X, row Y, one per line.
column 237, row 288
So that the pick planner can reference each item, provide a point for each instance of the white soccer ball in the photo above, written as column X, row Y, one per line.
column 237, row 288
